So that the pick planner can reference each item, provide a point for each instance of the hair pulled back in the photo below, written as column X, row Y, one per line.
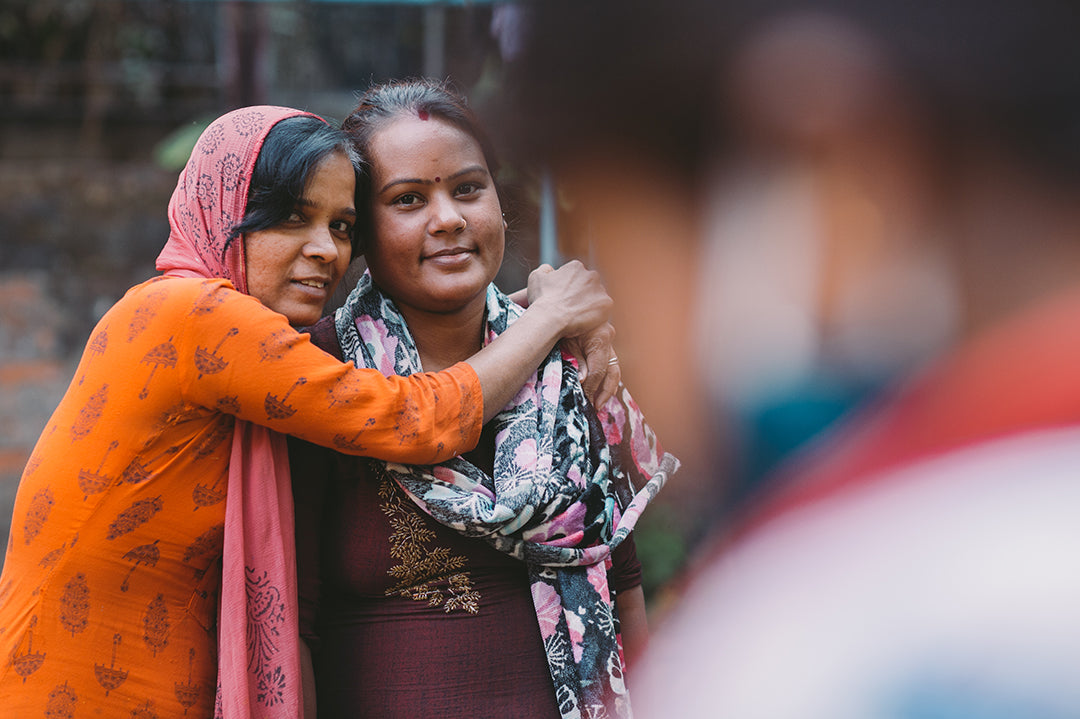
column 420, row 97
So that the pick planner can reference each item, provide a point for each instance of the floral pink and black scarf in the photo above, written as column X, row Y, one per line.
column 565, row 492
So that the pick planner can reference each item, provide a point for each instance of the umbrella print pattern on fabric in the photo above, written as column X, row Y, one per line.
column 207, row 546
column 47, row 562
column 273, row 347
column 164, row 355
column 204, row 495
column 93, row 481
column 353, row 443
column 62, row 701
column 28, row 662
column 278, row 408
column 207, row 495
column 229, row 405
column 344, row 391
column 137, row 471
column 146, row 711
column 188, row 693
column 208, row 361
column 109, row 677
column 143, row 555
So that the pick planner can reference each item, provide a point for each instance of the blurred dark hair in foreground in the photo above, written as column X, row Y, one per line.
column 872, row 202
column 651, row 77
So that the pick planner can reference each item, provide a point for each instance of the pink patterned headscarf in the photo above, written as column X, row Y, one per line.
column 258, row 631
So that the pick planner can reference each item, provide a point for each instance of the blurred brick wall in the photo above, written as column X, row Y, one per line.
column 73, row 237
column 33, row 374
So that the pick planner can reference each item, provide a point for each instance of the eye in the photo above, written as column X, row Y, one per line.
column 295, row 216
column 409, row 199
column 341, row 226
column 468, row 189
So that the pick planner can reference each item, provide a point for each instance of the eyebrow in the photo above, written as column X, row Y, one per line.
column 304, row 202
column 416, row 181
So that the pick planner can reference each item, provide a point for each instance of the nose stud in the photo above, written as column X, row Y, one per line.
column 464, row 224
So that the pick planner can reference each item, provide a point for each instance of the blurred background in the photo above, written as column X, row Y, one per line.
column 100, row 103
column 799, row 207
column 762, row 189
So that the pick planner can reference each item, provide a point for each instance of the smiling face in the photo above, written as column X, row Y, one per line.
column 438, row 228
column 294, row 267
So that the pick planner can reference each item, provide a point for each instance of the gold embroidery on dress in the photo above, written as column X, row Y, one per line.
column 422, row 567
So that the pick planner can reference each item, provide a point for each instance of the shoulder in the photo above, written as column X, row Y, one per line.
column 160, row 291
column 195, row 296
column 178, row 305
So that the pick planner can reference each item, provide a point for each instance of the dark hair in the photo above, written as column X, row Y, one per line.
column 635, row 76
column 642, row 75
column 291, row 151
column 420, row 97
column 993, row 73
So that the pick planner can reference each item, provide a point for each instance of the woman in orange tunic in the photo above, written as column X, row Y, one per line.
column 109, row 591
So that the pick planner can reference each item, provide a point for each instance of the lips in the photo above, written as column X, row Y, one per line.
column 319, row 284
column 449, row 252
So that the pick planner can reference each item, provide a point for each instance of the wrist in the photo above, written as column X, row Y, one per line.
column 546, row 319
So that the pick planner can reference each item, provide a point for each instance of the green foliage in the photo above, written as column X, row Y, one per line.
column 173, row 151
column 661, row 547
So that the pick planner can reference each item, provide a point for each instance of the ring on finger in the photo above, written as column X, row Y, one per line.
column 613, row 361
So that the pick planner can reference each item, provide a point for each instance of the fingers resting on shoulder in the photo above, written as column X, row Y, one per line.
column 598, row 364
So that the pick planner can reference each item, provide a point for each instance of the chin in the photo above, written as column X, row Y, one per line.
column 303, row 319
column 458, row 300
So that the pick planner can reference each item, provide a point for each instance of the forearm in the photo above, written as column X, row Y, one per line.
column 562, row 303
column 307, row 680
column 505, row 364
column 633, row 622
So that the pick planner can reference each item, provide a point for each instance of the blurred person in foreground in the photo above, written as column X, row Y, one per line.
column 919, row 560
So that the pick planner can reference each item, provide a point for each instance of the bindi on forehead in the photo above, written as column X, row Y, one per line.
column 423, row 114
column 438, row 179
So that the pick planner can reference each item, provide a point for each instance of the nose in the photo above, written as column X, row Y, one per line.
column 446, row 216
column 320, row 245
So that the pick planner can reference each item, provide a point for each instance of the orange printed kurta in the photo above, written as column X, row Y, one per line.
column 108, row 595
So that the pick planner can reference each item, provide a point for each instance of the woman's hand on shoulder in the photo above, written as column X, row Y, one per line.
column 572, row 294
column 578, row 294
column 597, row 364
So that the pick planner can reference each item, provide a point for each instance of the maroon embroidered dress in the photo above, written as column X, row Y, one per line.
column 406, row 617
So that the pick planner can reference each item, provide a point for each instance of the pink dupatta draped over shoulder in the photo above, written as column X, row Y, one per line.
column 258, row 634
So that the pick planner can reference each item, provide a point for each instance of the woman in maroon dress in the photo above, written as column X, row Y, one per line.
column 408, row 612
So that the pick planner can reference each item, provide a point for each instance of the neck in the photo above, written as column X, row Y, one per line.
column 444, row 339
